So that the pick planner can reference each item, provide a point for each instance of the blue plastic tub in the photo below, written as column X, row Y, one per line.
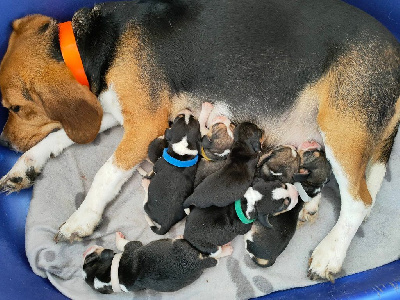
column 17, row 281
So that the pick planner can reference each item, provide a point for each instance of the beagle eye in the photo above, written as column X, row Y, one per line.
column 15, row 108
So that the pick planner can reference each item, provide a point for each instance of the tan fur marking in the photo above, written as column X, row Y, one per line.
column 56, row 99
column 145, row 118
column 348, row 139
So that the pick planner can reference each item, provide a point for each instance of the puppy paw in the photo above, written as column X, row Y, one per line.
column 310, row 209
column 226, row 250
column 22, row 175
column 120, row 241
column 81, row 224
column 326, row 260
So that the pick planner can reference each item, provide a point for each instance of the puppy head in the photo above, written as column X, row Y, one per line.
column 281, row 163
column 249, row 134
column 314, row 171
column 218, row 141
column 40, row 91
column 274, row 197
column 97, row 268
column 184, row 134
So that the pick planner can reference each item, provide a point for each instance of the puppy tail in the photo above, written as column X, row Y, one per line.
column 161, row 231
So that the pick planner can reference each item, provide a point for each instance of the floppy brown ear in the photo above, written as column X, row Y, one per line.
column 75, row 107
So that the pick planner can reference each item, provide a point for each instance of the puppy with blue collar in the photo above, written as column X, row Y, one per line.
column 174, row 174
column 165, row 265
column 231, row 182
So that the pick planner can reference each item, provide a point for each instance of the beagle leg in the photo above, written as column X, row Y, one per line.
column 30, row 164
column 112, row 175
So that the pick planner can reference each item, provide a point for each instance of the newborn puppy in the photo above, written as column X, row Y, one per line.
column 174, row 174
column 165, row 265
column 265, row 244
column 231, row 182
column 215, row 147
column 208, row 229
column 281, row 163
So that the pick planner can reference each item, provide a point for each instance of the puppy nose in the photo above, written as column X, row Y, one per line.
column 4, row 142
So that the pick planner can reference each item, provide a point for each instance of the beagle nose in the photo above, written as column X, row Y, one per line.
column 4, row 142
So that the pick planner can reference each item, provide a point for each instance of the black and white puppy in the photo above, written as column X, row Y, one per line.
column 231, row 182
column 174, row 174
column 165, row 265
column 208, row 229
column 265, row 244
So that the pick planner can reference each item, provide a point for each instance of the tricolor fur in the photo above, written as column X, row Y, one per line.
column 300, row 70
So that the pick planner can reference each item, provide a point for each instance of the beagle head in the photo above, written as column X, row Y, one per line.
column 39, row 90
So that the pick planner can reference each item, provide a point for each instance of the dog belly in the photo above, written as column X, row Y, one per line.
column 293, row 126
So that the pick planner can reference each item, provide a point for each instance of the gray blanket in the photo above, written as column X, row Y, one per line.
column 67, row 178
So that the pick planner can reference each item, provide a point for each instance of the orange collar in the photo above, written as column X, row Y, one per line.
column 70, row 52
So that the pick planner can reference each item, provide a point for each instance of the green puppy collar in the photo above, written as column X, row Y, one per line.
column 241, row 215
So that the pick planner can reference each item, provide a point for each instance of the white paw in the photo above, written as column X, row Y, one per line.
column 326, row 260
column 309, row 211
column 81, row 223
column 22, row 175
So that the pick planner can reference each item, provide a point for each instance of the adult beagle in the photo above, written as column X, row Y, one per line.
column 317, row 70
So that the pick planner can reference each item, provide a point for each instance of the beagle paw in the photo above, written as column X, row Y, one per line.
column 81, row 224
column 22, row 175
column 326, row 260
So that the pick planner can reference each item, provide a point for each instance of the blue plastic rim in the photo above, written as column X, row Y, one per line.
column 17, row 281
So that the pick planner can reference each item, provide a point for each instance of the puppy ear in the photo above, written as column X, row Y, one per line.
column 263, row 219
column 206, row 142
column 301, row 176
column 76, row 108
column 256, row 145
column 168, row 134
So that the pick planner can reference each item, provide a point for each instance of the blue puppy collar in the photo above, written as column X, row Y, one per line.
column 179, row 163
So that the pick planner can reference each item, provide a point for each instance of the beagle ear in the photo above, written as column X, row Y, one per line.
column 256, row 145
column 263, row 219
column 75, row 107
column 301, row 176
column 206, row 142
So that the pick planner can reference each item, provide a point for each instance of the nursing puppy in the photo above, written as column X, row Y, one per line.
column 208, row 229
column 215, row 148
column 265, row 244
column 333, row 78
column 231, row 182
column 165, row 265
column 174, row 174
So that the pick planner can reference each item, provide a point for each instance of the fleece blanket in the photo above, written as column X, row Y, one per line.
column 66, row 180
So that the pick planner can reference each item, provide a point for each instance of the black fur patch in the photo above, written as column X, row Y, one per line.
column 32, row 174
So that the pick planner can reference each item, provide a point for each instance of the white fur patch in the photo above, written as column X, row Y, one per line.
column 252, row 196
column 275, row 174
column 84, row 275
column 374, row 175
column 181, row 148
column 280, row 193
column 110, row 102
column 123, row 288
column 223, row 154
column 98, row 284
